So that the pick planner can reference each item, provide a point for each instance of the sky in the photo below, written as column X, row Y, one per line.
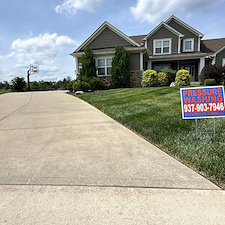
column 45, row 32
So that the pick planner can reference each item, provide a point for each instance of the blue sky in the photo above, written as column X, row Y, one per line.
column 45, row 32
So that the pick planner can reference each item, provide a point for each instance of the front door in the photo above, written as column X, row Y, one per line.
column 191, row 70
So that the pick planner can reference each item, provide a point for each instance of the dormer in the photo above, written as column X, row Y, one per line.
column 192, row 38
column 163, row 40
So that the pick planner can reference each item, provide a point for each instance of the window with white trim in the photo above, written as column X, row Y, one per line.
column 223, row 61
column 162, row 46
column 188, row 45
column 104, row 66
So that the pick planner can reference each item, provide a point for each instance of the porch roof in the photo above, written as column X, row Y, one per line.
column 212, row 45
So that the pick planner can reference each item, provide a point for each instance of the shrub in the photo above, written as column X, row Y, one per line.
column 83, row 78
column 170, row 73
column 209, row 82
column 70, row 85
column 120, row 73
column 162, row 79
column 149, row 78
column 76, row 86
column 106, row 82
column 212, row 72
column 85, row 86
column 97, row 84
column 183, row 78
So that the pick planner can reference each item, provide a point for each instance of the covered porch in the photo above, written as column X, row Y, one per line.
column 193, row 65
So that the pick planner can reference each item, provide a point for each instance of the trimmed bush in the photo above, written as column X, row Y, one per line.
column 76, row 86
column 97, row 84
column 170, row 73
column 209, row 82
column 149, row 79
column 183, row 78
column 85, row 86
column 162, row 79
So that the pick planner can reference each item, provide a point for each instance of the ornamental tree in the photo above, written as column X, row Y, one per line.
column 212, row 72
column 88, row 63
column 120, row 74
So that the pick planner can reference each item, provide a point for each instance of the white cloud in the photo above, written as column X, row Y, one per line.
column 42, row 47
column 40, row 50
column 70, row 7
column 155, row 11
column 45, row 51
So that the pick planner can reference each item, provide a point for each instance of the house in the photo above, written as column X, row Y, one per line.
column 172, row 44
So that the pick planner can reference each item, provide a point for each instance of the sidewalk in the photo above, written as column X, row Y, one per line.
column 65, row 162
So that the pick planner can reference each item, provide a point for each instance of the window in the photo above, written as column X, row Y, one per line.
column 188, row 45
column 162, row 46
column 158, row 68
column 223, row 61
column 104, row 66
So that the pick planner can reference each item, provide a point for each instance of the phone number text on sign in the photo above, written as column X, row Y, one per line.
column 203, row 102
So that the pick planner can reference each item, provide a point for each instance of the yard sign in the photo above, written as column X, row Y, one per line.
column 202, row 102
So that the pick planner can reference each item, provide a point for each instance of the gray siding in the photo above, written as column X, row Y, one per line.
column 219, row 58
column 134, row 61
column 185, row 32
column 107, row 39
column 161, row 34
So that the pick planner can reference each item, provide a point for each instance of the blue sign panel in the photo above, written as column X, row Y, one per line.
column 202, row 102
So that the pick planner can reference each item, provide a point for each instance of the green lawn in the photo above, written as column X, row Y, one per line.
column 155, row 114
column 2, row 91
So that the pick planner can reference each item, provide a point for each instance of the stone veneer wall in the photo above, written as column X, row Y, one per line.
column 135, row 78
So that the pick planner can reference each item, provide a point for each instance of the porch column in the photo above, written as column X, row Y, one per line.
column 77, row 66
column 141, row 61
column 201, row 65
column 149, row 65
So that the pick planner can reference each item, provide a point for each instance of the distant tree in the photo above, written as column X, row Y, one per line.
column 1, row 85
column 88, row 63
column 18, row 84
column 65, row 82
column 6, row 85
column 120, row 74
column 34, row 86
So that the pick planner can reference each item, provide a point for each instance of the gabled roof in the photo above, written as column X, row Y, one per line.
column 184, row 25
column 213, row 45
column 100, row 29
column 138, row 38
column 162, row 24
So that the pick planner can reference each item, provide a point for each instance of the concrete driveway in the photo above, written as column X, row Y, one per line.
column 64, row 162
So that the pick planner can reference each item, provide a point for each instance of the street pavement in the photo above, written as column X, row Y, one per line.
column 63, row 161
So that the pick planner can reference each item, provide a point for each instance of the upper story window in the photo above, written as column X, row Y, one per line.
column 162, row 46
column 104, row 66
column 188, row 45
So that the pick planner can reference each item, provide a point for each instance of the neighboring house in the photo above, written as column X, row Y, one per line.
column 172, row 44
